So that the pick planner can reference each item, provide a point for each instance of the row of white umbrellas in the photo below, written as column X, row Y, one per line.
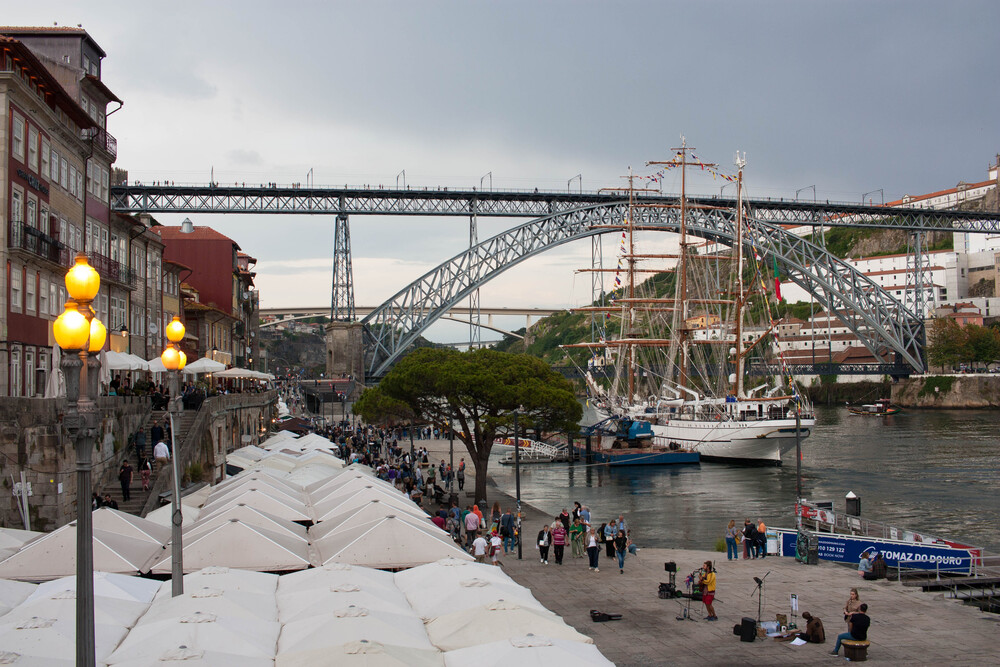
column 337, row 614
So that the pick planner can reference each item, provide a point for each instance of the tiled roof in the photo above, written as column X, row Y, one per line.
column 199, row 234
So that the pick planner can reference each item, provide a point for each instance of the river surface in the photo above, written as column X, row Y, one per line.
column 931, row 471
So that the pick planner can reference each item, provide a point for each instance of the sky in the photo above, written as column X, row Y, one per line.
column 844, row 98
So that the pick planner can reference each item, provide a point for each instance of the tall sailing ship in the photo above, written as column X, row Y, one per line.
column 698, row 364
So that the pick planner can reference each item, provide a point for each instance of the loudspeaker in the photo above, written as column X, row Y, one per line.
column 748, row 629
column 670, row 567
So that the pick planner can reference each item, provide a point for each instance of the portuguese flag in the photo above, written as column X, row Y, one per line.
column 777, row 278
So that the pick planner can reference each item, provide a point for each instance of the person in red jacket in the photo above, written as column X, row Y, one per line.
column 559, row 536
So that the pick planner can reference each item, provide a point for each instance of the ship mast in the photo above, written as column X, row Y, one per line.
column 741, row 295
column 631, row 284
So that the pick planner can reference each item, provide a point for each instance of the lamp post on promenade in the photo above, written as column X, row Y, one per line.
column 451, row 455
column 82, row 335
column 517, row 482
column 174, row 361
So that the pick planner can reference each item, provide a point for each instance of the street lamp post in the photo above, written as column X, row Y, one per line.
column 517, row 483
column 77, row 331
column 174, row 361
column 451, row 456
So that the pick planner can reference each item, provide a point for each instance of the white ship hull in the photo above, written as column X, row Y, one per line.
column 759, row 441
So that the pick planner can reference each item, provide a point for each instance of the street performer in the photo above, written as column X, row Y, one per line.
column 706, row 582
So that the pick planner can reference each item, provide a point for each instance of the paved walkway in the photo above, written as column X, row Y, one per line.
column 908, row 625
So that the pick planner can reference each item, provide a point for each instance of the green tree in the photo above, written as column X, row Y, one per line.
column 481, row 389
column 982, row 344
column 946, row 343
column 375, row 407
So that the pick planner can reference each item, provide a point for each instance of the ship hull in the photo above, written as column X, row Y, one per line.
column 641, row 457
column 756, row 443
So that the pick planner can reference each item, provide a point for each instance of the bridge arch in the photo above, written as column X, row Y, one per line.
column 879, row 320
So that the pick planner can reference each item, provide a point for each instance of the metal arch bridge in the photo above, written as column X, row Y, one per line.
column 875, row 316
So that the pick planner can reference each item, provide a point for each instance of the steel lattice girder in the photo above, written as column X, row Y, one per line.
column 342, row 299
column 877, row 318
column 442, row 202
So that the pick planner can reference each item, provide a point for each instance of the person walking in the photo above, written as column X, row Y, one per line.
column 621, row 548
column 750, row 539
column 544, row 540
column 479, row 547
column 471, row 527
column 156, row 433
column 576, row 535
column 145, row 472
column 732, row 532
column 559, row 536
column 507, row 530
column 593, row 551
column 460, row 475
column 125, row 478
column 761, row 539
column 609, row 538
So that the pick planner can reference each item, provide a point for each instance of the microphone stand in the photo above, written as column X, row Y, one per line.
column 760, row 593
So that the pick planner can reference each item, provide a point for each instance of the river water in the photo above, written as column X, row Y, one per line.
column 932, row 471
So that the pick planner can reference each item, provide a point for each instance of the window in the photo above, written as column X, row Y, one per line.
column 15, row 288
column 18, row 138
column 62, row 296
column 64, row 173
column 46, row 158
column 43, row 296
column 105, row 178
column 15, row 371
column 30, row 285
column 104, row 242
column 54, row 304
column 32, row 213
column 16, row 206
column 102, row 309
column 113, row 254
column 33, row 149
column 29, row 372
column 54, row 167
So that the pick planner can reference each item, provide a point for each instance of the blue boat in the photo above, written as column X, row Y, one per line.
column 623, row 441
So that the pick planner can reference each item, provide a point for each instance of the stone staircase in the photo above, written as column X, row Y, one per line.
column 182, row 423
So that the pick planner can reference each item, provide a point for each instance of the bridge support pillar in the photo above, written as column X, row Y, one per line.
column 345, row 351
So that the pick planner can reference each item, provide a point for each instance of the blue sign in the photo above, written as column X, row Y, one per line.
column 911, row 555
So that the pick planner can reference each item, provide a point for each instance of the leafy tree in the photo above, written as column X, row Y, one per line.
column 982, row 344
column 375, row 407
column 480, row 389
column 946, row 343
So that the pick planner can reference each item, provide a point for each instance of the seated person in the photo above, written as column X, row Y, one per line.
column 865, row 566
column 857, row 628
column 814, row 633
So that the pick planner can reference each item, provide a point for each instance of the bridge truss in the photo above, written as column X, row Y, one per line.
column 878, row 319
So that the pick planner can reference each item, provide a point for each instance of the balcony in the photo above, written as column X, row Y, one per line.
column 113, row 270
column 39, row 244
column 102, row 139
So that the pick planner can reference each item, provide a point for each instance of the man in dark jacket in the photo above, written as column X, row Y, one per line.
column 750, row 538
column 857, row 628
column 507, row 530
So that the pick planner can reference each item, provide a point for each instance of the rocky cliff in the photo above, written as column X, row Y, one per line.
column 948, row 391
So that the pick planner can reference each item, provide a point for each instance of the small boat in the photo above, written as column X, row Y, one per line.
column 880, row 408
column 623, row 441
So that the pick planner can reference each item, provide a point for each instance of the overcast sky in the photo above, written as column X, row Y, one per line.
column 847, row 96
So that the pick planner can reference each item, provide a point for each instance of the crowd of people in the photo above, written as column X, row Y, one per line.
column 750, row 539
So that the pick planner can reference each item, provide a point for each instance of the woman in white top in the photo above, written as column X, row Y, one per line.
column 593, row 551
column 495, row 545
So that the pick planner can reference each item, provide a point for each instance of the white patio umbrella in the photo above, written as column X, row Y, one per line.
column 55, row 384
column 54, row 555
column 468, row 594
column 156, row 366
column 334, row 575
column 106, row 585
column 331, row 497
column 13, row 593
column 105, row 372
column 448, row 572
column 495, row 622
column 204, row 365
column 15, row 538
column 122, row 523
column 51, row 641
column 306, row 604
column 62, row 604
column 210, row 600
column 227, row 579
column 361, row 519
column 254, row 517
column 362, row 653
column 264, row 499
column 242, row 637
column 184, row 656
column 121, row 361
column 531, row 650
column 235, row 373
column 391, row 542
column 140, row 363
column 351, row 624
column 272, row 486
column 339, row 504
column 370, row 511
column 239, row 545
column 310, row 472
column 163, row 516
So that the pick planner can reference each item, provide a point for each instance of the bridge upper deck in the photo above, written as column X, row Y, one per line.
column 513, row 203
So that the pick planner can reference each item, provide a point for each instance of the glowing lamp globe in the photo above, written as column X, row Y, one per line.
column 170, row 358
column 98, row 334
column 71, row 329
column 82, row 281
column 175, row 330
column 183, row 361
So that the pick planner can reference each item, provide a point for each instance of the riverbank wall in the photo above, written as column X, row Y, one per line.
column 956, row 391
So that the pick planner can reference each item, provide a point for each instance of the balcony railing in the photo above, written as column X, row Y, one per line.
column 113, row 270
column 39, row 244
column 103, row 140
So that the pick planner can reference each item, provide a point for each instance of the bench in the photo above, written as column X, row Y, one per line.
column 855, row 650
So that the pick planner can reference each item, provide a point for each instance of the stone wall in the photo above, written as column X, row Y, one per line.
column 32, row 442
column 947, row 391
